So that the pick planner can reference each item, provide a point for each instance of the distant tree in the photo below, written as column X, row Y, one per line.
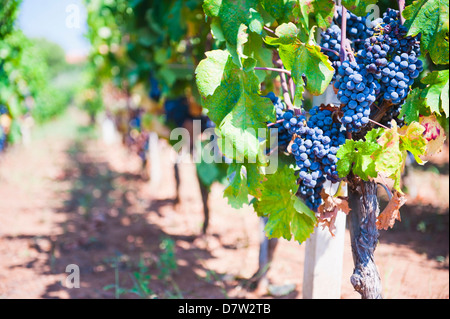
column 54, row 56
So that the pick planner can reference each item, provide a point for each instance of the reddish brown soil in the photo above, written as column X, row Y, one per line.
column 67, row 200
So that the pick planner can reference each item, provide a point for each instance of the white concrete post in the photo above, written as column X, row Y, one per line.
column 324, row 253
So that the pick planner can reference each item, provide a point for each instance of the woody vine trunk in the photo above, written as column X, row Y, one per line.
column 364, row 237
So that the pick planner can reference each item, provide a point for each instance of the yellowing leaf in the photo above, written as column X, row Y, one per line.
column 434, row 134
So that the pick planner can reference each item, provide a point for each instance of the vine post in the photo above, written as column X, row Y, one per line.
column 324, row 253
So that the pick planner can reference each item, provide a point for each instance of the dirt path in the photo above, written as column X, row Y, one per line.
column 69, row 199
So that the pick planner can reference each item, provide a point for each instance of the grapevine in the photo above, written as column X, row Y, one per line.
column 372, row 64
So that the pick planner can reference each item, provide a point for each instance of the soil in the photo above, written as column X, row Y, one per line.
column 68, row 198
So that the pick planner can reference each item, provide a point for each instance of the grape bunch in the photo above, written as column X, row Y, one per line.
column 382, row 70
column 309, row 150
column 392, row 58
column 357, row 91
column 323, row 119
column 357, row 31
column 177, row 111
column 358, row 27
column 331, row 39
column 314, row 143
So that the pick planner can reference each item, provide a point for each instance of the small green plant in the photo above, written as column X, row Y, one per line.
column 141, row 280
column 167, row 262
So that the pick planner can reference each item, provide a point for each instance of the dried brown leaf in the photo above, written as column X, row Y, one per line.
column 329, row 210
column 391, row 213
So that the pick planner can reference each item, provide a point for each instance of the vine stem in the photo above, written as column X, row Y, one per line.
column 292, row 87
column 401, row 6
column 329, row 50
column 342, row 52
column 286, row 94
column 284, row 83
column 379, row 124
column 277, row 122
column 274, row 69
column 269, row 30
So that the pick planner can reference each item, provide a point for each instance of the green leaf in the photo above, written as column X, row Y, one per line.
column 411, row 108
column 319, row 12
column 235, row 192
column 233, row 13
column 358, row 7
column 276, row 8
column 304, row 60
column 374, row 134
column 356, row 156
column 287, row 215
column 436, row 92
column 235, row 106
column 433, row 98
column 210, row 71
column 210, row 172
column 430, row 17
column 389, row 158
column 245, row 179
column 263, row 56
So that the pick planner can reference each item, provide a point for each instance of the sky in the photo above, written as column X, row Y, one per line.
column 60, row 21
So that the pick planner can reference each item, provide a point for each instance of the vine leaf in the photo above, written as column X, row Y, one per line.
column 232, row 14
column 287, row 215
column 394, row 145
column 263, row 56
column 304, row 60
column 278, row 9
column 318, row 12
column 432, row 99
column 231, row 96
column 236, row 193
column 413, row 107
column 430, row 18
column 356, row 156
column 358, row 7
column 413, row 141
column 245, row 179
column 386, row 219
column 389, row 158
column 210, row 71
column 436, row 92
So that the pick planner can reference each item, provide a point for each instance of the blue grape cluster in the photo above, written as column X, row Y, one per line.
column 323, row 119
column 392, row 57
column 309, row 150
column 177, row 111
column 331, row 39
column 357, row 91
column 357, row 27
column 385, row 66
column 315, row 142
column 284, row 136
column 357, row 31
